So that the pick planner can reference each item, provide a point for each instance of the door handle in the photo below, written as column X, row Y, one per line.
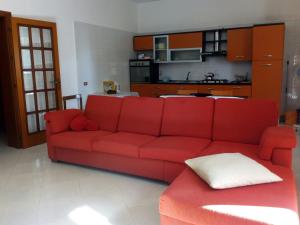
column 237, row 87
column 267, row 65
column 240, row 56
column 210, row 89
column 269, row 55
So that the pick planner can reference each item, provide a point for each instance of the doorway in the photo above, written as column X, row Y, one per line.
column 8, row 102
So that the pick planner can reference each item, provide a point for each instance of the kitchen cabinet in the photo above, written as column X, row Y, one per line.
column 239, row 45
column 268, row 42
column 185, row 40
column 238, row 90
column 161, row 52
column 155, row 90
column 145, row 90
column 143, row 43
column 267, row 80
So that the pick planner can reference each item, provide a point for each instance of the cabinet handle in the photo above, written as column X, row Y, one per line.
column 210, row 89
column 237, row 87
column 268, row 64
column 240, row 56
column 269, row 55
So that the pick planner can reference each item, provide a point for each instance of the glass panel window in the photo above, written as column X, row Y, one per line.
column 47, row 38
column 24, row 36
column 41, row 100
column 26, row 60
column 36, row 37
column 42, row 121
column 28, row 81
column 50, row 79
column 30, row 106
column 48, row 59
column 31, row 123
column 51, row 99
column 39, row 80
column 38, row 61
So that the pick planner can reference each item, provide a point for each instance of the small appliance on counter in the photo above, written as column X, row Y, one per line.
column 143, row 71
column 111, row 87
column 210, row 79
column 241, row 79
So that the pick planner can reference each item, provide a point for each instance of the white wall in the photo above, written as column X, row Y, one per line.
column 119, row 14
column 173, row 15
column 102, row 54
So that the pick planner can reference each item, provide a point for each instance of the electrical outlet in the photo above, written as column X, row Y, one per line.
column 85, row 83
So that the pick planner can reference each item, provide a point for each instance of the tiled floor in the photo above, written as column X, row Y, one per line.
column 35, row 191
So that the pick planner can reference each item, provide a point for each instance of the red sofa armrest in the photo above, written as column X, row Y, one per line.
column 59, row 121
column 276, row 140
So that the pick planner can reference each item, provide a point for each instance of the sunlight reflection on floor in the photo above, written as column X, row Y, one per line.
column 263, row 214
column 88, row 216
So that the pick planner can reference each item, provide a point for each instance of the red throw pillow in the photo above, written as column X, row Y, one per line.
column 91, row 125
column 79, row 123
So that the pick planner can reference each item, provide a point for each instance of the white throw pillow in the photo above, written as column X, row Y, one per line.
column 230, row 170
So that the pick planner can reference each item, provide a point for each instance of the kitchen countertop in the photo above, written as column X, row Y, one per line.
column 196, row 83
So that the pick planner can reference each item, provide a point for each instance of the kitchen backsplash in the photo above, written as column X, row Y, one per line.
column 218, row 65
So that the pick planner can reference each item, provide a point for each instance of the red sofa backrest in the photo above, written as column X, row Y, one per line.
column 190, row 117
column 104, row 110
column 141, row 115
column 240, row 120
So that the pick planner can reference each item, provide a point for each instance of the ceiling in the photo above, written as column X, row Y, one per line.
column 143, row 1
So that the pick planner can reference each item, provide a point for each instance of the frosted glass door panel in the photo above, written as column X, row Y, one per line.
column 51, row 99
column 39, row 80
column 24, row 36
column 26, row 59
column 28, row 81
column 48, row 59
column 38, row 61
column 36, row 37
column 31, row 123
column 50, row 79
column 47, row 38
column 42, row 121
column 41, row 100
column 30, row 103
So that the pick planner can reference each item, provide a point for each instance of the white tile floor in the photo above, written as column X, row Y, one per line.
column 35, row 191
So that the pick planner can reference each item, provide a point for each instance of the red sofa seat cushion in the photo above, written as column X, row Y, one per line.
column 191, row 200
column 244, row 121
column 190, row 117
column 104, row 110
column 173, row 149
column 77, row 140
column 122, row 143
column 141, row 115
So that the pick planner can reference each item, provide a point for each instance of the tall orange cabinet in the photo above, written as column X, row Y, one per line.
column 268, row 52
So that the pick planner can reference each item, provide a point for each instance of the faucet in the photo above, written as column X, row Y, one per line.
column 188, row 76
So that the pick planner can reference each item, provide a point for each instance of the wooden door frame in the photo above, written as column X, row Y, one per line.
column 14, row 137
column 40, row 137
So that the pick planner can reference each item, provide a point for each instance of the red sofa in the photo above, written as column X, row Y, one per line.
column 152, row 137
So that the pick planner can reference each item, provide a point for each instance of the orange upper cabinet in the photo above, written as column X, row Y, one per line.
column 185, row 40
column 239, row 44
column 143, row 43
column 268, row 42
